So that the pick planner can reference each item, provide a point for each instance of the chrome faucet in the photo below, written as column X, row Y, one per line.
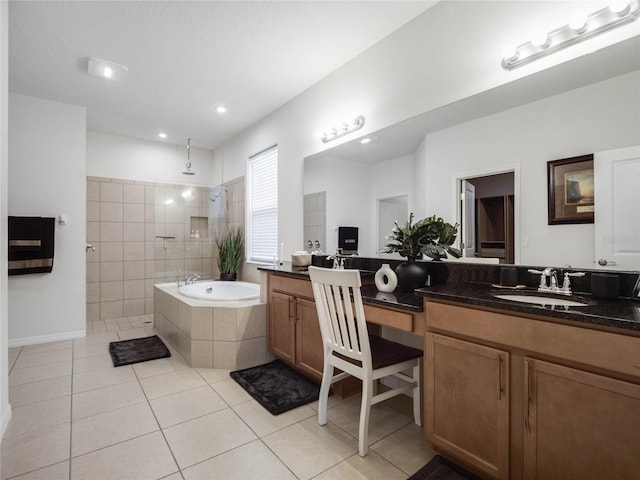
column 551, row 286
column 338, row 261
column 191, row 278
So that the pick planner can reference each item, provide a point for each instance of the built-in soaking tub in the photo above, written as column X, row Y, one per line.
column 221, row 291
column 213, row 324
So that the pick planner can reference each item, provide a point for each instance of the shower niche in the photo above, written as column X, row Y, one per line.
column 199, row 227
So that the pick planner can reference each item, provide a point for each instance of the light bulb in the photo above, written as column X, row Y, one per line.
column 108, row 72
column 578, row 22
column 162, row 135
column 540, row 39
column 221, row 109
column 510, row 53
column 620, row 7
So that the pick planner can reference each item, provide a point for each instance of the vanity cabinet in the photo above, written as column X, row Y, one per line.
column 579, row 425
column 294, row 331
column 467, row 402
column 520, row 397
column 282, row 326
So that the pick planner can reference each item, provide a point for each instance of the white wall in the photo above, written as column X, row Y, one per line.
column 599, row 117
column 115, row 156
column 450, row 52
column 5, row 408
column 47, row 177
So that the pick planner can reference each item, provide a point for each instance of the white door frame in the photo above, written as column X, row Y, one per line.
column 457, row 185
column 376, row 216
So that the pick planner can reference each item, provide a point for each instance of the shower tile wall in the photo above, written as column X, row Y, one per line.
column 315, row 220
column 124, row 219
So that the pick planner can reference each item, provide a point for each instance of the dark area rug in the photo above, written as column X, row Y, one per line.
column 440, row 468
column 276, row 386
column 137, row 350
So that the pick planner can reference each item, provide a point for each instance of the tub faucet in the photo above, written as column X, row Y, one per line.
column 191, row 278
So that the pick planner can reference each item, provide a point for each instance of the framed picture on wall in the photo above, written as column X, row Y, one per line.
column 570, row 190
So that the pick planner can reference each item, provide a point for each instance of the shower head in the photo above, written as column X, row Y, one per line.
column 188, row 171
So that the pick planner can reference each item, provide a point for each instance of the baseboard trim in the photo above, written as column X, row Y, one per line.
column 6, row 416
column 53, row 337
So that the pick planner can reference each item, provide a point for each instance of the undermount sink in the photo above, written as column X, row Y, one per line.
column 540, row 300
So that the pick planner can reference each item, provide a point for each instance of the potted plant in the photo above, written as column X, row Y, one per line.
column 230, row 253
column 431, row 236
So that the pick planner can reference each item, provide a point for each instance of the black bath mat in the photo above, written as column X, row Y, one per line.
column 137, row 350
column 276, row 386
column 439, row 468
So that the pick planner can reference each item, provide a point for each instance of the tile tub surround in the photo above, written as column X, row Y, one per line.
column 229, row 335
column 123, row 219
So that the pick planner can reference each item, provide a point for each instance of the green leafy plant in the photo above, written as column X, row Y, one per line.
column 431, row 236
column 230, row 250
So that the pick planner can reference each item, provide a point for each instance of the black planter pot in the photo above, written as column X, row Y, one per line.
column 228, row 277
column 411, row 275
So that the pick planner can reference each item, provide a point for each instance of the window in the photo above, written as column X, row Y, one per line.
column 262, row 205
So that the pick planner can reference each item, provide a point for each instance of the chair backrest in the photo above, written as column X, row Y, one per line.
column 340, row 312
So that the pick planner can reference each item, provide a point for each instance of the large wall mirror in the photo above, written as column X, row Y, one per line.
column 368, row 185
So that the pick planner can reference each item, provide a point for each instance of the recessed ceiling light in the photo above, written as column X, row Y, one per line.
column 221, row 109
column 162, row 135
column 104, row 69
column 365, row 140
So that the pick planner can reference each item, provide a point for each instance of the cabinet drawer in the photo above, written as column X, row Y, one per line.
column 390, row 318
column 292, row 286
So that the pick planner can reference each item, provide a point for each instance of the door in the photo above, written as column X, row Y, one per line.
column 467, row 402
column 617, row 212
column 390, row 210
column 468, row 198
column 579, row 425
column 309, row 353
column 282, row 326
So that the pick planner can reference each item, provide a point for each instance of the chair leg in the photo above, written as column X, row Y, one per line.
column 416, row 395
column 327, row 376
column 365, row 408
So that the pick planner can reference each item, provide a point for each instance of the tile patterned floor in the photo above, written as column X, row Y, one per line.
column 76, row 417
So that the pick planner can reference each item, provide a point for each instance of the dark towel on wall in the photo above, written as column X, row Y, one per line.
column 31, row 245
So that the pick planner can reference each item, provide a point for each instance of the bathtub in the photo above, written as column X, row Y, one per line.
column 227, row 333
column 221, row 291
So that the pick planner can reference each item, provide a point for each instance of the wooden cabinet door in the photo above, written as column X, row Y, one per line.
column 579, row 425
column 309, row 353
column 467, row 402
column 282, row 326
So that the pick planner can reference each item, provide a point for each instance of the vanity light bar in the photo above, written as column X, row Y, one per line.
column 619, row 13
column 346, row 128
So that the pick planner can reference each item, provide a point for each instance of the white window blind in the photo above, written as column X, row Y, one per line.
column 263, row 205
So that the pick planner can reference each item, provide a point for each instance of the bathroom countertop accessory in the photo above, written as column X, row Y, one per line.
column 386, row 279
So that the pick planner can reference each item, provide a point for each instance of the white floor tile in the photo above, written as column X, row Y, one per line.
column 58, row 471
column 197, row 440
column 28, row 393
column 83, row 382
column 114, row 426
column 187, row 405
column 146, row 457
column 34, row 450
column 252, row 461
column 20, row 376
column 38, row 416
column 101, row 400
column 308, row 448
column 172, row 382
column 115, row 415
column 43, row 358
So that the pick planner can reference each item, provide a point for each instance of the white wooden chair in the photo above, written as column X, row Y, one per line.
column 349, row 347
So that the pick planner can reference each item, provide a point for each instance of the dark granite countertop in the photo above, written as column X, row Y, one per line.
column 622, row 313
column 370, row 295
column 619, row 314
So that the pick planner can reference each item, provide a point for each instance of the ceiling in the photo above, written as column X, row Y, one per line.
column 185, row 58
